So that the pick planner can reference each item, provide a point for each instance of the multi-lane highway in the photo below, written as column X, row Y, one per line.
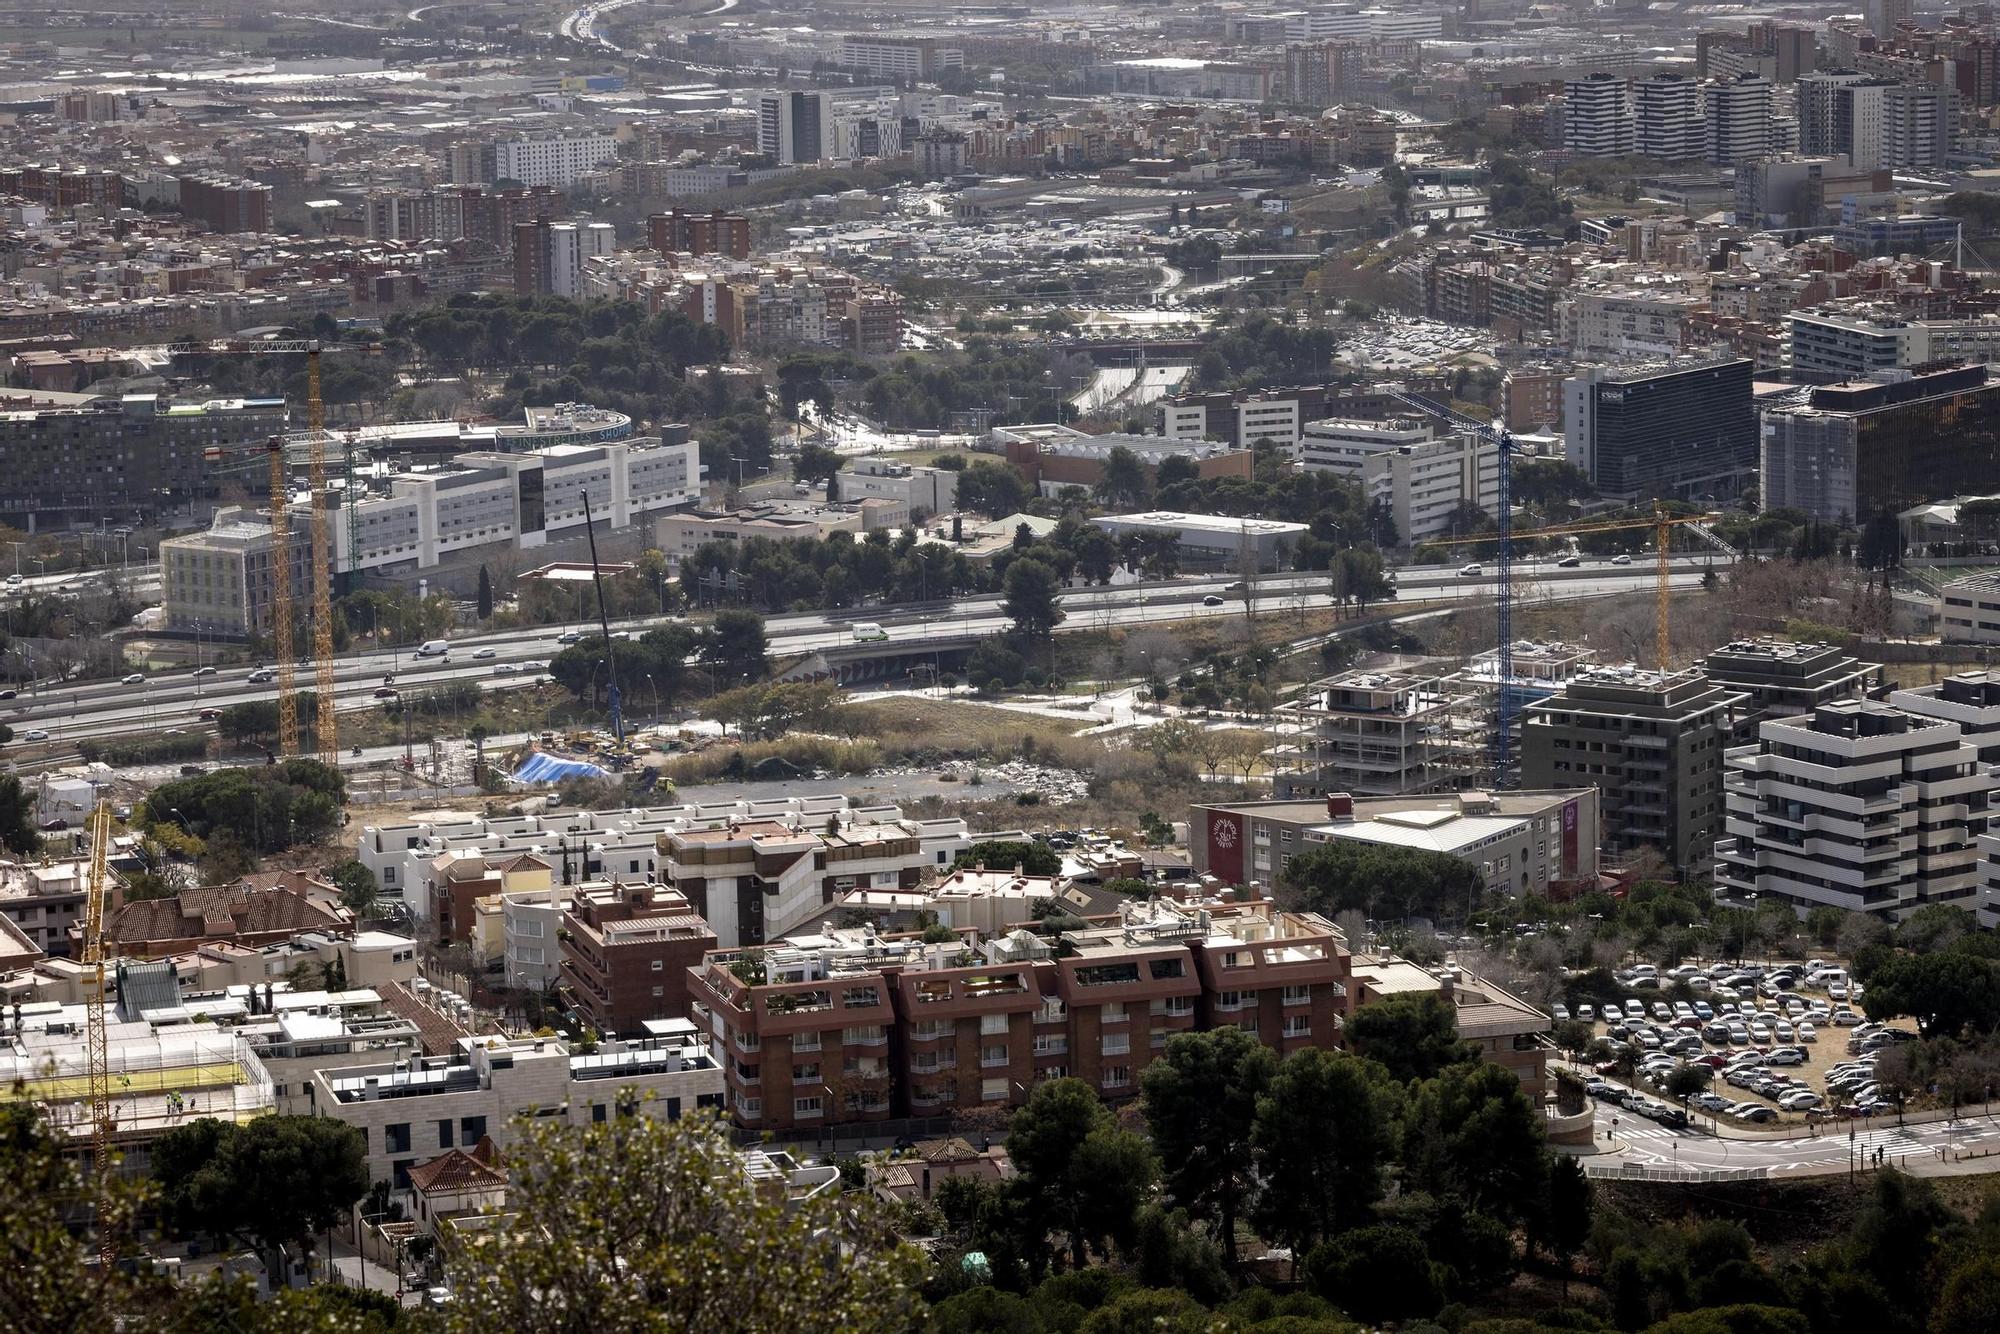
column 69, row 713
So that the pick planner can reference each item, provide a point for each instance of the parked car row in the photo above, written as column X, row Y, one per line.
column 1650, row 1108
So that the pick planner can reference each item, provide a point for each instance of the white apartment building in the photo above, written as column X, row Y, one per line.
column 1667, row 115
column 525, row 500
column 932, row 489
column 1597, row 116
column 628, row 844
column 1970, row 610
column 897, row 57
column 1626, row 323
column 796, row 127
column 1273, row 419
column 1336, row 445
column 529, row 922
column 1969, row 699
column 1422, row 484
column 1919, row 124
column 551, row 158
column 296, row 1034
column 1183, row 421
column 1739, row 119
column 1841, row 112
column 569, row 246
column 410, row 1111
column 1858, row 805
column 758, row 879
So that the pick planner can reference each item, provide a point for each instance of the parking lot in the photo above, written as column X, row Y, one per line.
column 1775, row 1039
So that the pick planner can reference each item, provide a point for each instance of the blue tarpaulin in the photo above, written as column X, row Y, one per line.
column 542, row 768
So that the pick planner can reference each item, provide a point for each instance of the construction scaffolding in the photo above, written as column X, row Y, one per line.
column 1380, row 734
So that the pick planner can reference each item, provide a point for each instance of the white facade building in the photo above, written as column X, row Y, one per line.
column 551, row 158
column 1667, row 114
column 1597, row 116
column 1336, row 445
column 410, row 1111
column 897, row 57
column 1739, row 119
column 1273, row 419
column 1859, row 806
column 1423, row 484
column 521, row 499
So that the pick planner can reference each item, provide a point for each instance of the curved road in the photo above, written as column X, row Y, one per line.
column 1645, row 1150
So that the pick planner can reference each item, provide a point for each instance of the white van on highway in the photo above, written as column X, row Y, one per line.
column 865, row 631
column 433, row 648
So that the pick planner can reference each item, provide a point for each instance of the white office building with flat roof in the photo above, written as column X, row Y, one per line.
column 1212, row 540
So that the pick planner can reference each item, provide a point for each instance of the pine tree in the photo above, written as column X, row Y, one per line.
column 485, row 594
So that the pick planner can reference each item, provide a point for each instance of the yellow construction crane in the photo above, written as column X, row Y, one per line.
column 97, row 1060
column 1660, row 521
column 326, row 729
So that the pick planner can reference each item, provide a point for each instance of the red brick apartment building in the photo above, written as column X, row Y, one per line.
column 626, row 954
column 846, row 1025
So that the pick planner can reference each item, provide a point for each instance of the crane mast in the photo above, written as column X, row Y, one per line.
column 327, row 727
column 97, row 1061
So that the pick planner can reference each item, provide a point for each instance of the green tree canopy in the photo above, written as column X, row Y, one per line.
column 641, row 1222
column 272, row 1181
column 1381, row 882
column 1200, row 1098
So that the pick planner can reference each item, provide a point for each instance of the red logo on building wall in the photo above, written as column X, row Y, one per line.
column 1225, row 848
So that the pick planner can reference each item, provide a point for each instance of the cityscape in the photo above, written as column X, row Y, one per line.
column 724, row 665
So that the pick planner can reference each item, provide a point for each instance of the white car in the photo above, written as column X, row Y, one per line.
column 1807, row 1033
column 14, row 581
column 1587, row 1013
column 1559, row 1012
column 1621, row 559
column 1846, row 1018
column 135, row 679
column 35, row 734
column 1472, row 571
column 486, row 653
column 505, row 669
column 204, row 671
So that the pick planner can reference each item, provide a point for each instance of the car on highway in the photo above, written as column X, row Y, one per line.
column 203, row 671
column 9, row 694
column 570, row 637
column 1471, row 571
column 433, row 648
column 1569, row 562
column 386, row 692
column 1622, row 558
column 13, row 581
column 261, row 676
column 35, row 734
column 209, row 715
column 1212, row 600
column 486, row 653
column 505, row 669
column 135, row 679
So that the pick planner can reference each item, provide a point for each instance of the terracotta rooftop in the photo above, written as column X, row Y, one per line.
column 221, row 911
column 438, row 1034
column 456, row 1170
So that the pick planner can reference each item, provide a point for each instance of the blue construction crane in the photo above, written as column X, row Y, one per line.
column 1504, row 449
